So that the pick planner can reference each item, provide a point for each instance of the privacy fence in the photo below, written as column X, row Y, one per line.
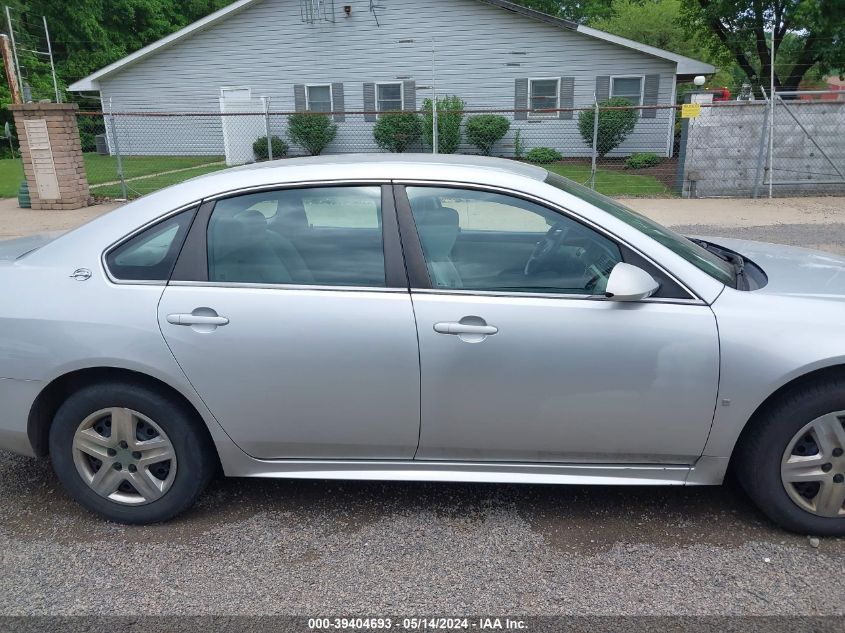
column 619, row 150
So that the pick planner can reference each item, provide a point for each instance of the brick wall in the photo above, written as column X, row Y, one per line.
column 60, row 159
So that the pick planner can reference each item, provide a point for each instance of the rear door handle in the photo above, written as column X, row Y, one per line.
column 196, row 319
column 464, row 328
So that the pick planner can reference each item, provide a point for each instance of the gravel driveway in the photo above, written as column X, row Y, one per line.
column 316, row 548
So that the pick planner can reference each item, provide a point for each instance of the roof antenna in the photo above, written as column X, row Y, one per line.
column 374, row 8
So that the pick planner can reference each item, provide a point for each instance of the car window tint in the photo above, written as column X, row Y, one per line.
column 151, row 254
column 479, row 240
column 311, row 236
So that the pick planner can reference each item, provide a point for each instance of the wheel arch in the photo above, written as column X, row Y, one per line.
column 797, row 383
column 51, row 397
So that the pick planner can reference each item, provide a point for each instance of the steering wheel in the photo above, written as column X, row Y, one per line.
column 546, row 247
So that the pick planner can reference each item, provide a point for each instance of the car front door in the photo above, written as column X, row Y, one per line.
column 289, row 312
column 524, row 359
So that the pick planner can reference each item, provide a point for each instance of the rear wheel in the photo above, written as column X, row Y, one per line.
column 129, row 453
column 792, row 461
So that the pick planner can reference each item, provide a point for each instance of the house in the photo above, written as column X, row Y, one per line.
column 381, row 55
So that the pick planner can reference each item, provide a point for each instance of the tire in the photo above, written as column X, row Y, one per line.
column 87, row 430
column 785, row 433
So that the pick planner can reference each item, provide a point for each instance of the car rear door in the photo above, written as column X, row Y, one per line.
column 289, row 312
column 528, row 365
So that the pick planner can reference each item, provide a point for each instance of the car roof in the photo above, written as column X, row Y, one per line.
column 405, row 162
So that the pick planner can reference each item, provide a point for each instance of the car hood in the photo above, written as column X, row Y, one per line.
column 792, row 270
column 14, row 248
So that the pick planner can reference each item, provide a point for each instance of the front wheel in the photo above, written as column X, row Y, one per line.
column 792, row 460
column 129, row 453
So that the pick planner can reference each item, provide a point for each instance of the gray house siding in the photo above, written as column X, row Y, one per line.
column 481, row 51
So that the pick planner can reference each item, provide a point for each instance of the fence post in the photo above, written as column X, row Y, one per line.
column 117, row 152
column 595, row 142
column 761, row 151
column 267, row 127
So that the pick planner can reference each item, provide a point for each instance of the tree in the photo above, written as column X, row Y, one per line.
column 814, row 31
column 582, row 11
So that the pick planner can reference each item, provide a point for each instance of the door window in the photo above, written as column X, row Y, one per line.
column 320, row 236
column 480, row 240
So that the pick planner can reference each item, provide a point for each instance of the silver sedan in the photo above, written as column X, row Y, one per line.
column 418, row 318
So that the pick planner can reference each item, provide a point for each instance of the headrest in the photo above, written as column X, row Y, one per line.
column 290, row 214
column 438, row 228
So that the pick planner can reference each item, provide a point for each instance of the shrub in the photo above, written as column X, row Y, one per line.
column 312, row 131
column 397, row 131
column 518, row 146
column 642, row 160
column 544, row 155
column 485, row 130
column 614, row 125
column 450, row 114
column 259, row 148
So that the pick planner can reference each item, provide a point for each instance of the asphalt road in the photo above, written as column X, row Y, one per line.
column 314, row 548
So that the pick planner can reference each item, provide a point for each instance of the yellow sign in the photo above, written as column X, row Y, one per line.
column 690, row 110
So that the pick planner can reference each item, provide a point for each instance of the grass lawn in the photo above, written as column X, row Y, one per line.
column 149, row 184
column 612, row 182
column 11, row 175
column 102, row 169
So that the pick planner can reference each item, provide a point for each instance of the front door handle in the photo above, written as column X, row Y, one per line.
column 464, row 328
column 196, row 319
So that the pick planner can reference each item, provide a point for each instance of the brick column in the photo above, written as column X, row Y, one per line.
column 52, row 155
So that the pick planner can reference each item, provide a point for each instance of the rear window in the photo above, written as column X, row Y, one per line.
column 151, row 254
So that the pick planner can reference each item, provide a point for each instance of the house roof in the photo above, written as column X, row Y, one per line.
column 685, row 65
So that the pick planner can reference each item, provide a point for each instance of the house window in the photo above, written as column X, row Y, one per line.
column 544, row 94
column 630, row 88
column 318, row 98
column 389, row 97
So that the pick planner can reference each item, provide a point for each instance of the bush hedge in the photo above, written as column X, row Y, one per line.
column 642, row 160
column 259, row 148
column 614, row 125
column 397, row 131
column 485, row 130
column 544, row 155
column 450, row 115
column 311, row 131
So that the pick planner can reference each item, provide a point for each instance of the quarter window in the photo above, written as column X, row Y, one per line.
column 328, row 236
column 630, row 88
column 544, row 95
column 151, row 254
column 479, row 240
column 318, row 98
column 389, row 97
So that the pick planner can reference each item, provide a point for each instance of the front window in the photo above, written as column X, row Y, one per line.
column 389, row 97
column 481, row 240
column 693, row 253
column 318, row 98
column 629, row 88
column 544, row 96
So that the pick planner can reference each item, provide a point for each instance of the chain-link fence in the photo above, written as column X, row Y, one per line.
column 722, row 150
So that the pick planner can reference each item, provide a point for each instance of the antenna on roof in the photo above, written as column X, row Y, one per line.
column 374, row 8
column 313, row 11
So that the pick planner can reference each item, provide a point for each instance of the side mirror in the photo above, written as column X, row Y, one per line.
column 629, row 283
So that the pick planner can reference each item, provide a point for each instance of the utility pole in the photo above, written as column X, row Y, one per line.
column 52, row 65
column 14, row 50
column 8, row 64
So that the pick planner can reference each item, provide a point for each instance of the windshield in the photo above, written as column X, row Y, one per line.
column 696, row 255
